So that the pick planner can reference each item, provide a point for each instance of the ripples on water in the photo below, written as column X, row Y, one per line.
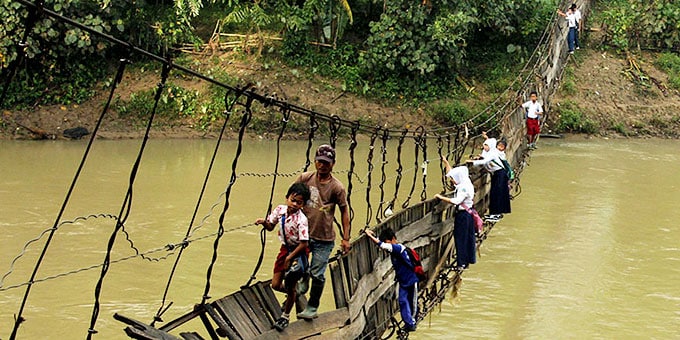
column 590, row 250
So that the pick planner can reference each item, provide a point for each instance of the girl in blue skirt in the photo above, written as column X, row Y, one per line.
column 464, row 229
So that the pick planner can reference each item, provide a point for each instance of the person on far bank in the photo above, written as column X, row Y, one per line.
column 533, row 110
column 571, row 22
column 293, row 235
column 499, row 194
column 463, row 225
column 405, row 275
column 579, row 26
column 327, row 192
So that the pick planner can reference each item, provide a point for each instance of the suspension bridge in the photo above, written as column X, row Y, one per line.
column 362, row 280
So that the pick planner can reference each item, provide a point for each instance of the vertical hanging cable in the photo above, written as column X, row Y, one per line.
column 400, row 168
column 448, row 145
column 313, row 126
column 369, row 160
column 383, row 150
column 352, row 163
column 229, row 105
column 245, row 119
column 119, row 76
column 334, row 126
column 423, row 141
column 440, row 151
column 417, row 134
column 263, row 234
column 127, row 203
column 8, row 73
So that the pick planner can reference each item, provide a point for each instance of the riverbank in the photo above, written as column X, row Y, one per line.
column 602, row 94
column 610, row 95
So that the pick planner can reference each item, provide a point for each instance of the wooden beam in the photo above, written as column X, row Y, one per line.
column 302, row 328
column 142, row 331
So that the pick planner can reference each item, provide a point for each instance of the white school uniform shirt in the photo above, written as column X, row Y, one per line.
column 571, row 19
column 577, row 15
column 532, row 109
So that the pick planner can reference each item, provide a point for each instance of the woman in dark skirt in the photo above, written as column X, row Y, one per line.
column 499, row 194
column 464, row 229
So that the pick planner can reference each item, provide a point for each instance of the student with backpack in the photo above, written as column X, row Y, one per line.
column 291, row 262
column 405, row 272
column 499, row 195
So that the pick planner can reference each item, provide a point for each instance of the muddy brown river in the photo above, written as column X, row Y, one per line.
column 591, row 249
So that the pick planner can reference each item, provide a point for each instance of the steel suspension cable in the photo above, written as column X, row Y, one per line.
column 352, row 146
column 313, row 126
column 229, row 105
column 119, row 76
column 423, row 194
column 369, row 161
column 400, row 168
column 417, row 135
column 245, row 119
column 263, row 233
column 379, row 214
column 127, row 203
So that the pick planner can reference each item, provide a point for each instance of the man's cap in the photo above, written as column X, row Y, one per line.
column 326, row 153
column 573, row 6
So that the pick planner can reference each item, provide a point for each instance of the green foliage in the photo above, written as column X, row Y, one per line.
column 175, row 101
column 451, row 112
column 620, row 128
column 633, row 23
column 70, row 84
column 66, row 53
column 670, row 63
column 571, row 119
column 568, row 85
column 412, row 42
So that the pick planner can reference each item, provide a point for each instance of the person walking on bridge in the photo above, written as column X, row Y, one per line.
column 533, row 110
column 499, row 195
column 579, row 25
column 571, row 22
column 327, row 192
column 463, row 227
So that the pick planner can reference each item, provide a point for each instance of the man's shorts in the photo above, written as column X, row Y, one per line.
column 533, row 126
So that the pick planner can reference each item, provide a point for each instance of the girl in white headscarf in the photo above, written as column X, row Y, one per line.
column 499, row 196
column 464, row 229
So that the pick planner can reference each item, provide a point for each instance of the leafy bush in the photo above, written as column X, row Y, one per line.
column 175, row 101
column 670, row 63
column 645, row 23
column 571, row 119
column 66, row 53
column 412, row 41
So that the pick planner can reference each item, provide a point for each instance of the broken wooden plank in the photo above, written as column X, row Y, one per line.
column 259, row 312
column 142, row 331
column 303, row 328
column 230, row 310
column 223, row 328
column 266, row 293
column 190, row 336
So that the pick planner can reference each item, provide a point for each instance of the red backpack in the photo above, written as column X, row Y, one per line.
column 416, row 264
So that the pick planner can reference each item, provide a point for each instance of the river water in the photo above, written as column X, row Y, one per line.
column 590, row 250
